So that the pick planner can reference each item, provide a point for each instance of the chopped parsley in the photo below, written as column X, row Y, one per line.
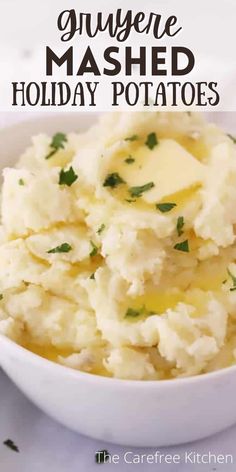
column 101, row 228
column 21, row 182
column 134, row 137
column 1, row 296
column 129, row 200
column 113, row 180
column 180, row 225
column 183, row 246
column 67, row 177
column 58, row 141
column 65, row 247
column 233, row 280
column 129, row 160
column 134, row 313
column 138, row 191
column 11, row 445
column 92, row 276
column 151, row 141
column 165, row 207
column 94, row 249
column 102, row 456
column 232, row 138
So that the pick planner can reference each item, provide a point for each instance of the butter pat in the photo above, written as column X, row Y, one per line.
column 169, row 166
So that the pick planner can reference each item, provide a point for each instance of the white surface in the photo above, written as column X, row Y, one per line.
column 45, row 446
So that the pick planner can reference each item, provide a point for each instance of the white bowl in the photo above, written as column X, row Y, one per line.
column 127, row 412
column 134, row 413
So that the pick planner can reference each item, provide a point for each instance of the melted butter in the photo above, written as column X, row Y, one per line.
column 158, row 303
column 182, row 198
column 210, row 276
column 155, row 302
column 61, row 158
column 209, row 282
column 207, row 277
column 52, row 353
column 121, row 192
column 196, row 147
column 89, row 265
column 47, row 352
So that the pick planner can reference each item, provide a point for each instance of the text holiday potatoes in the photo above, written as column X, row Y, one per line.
column 119, row 61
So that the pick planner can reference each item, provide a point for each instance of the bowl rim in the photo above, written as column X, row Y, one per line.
column 32, row 357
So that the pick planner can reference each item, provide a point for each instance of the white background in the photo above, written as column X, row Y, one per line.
column 26, row 27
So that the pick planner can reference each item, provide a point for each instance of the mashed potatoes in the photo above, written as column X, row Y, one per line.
column 118, row 247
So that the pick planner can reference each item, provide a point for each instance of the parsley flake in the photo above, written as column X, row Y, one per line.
column 92, row 276
column 129, row 160
column 11, row 445
column 165, row 207
column 151, row 141
column 132, row 313
column 129, row 200
column 113, row 180
column 58, row 141
column 21, row 182
column 134, row 137
column 232, row 138
column 102, row 456
column 138, row 191
column 233, row 280
column 183, row 246
column 180, row 225
column 94, row 249
column 101, row 228
column 1, row 296
column 65, row 247
column 67, row 177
